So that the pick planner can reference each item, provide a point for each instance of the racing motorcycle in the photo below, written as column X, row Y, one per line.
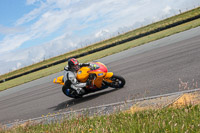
column 98, row 76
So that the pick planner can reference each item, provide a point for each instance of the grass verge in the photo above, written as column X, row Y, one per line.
column 163, row 23
column 100, row 54
column 183, row 119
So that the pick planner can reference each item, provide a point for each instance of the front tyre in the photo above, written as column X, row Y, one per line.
column 117, row 81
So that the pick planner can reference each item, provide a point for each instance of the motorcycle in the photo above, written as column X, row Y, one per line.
column 98, row 76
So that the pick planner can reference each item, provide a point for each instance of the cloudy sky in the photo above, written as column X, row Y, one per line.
column 34, row 30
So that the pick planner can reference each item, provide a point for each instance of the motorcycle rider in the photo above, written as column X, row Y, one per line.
column 71, row 83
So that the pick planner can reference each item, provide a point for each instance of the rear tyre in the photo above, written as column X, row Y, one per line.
column 117, row 81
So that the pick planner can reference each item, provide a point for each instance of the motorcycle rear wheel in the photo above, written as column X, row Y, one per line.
column 118, row 81
column 71, row 94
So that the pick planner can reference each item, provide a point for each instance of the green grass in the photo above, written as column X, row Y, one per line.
column 138, row 31
column 167, row 120
column 100, row 54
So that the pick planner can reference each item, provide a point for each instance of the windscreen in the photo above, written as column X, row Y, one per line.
column 94, row 66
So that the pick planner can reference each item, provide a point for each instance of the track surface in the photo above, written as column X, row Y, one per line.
column 149, row 70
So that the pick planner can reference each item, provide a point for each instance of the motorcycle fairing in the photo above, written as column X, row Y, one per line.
column 98, row 67
column 82, row 74
column 108, row 76
column 99, row 77
column 59, row 80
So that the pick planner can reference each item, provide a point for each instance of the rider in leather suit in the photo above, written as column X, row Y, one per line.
column 71, row 83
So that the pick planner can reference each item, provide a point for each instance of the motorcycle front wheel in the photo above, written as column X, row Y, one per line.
column 117, row 81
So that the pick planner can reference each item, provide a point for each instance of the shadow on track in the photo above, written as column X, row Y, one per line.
column 72, row 102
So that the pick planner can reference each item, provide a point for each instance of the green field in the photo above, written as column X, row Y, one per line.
column 168, row 120
column 103, row 53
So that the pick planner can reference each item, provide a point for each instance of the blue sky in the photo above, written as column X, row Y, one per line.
column 34, row 30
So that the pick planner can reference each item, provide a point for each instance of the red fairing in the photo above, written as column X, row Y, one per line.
column 102, row 68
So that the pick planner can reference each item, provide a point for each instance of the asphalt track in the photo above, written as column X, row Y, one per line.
column 151, row 69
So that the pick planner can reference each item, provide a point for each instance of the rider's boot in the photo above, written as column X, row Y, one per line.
column 79, row 91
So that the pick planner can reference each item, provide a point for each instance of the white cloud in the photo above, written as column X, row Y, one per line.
column 51, row 21
column 10, row 30
column 167, row 9
column 60, row 3
column 102, row 33
column 19, row 64
column 30, row 2
column 155, row 19
column 30, row 16
column 12, row 42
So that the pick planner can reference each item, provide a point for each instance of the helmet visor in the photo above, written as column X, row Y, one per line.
column 76, row 67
